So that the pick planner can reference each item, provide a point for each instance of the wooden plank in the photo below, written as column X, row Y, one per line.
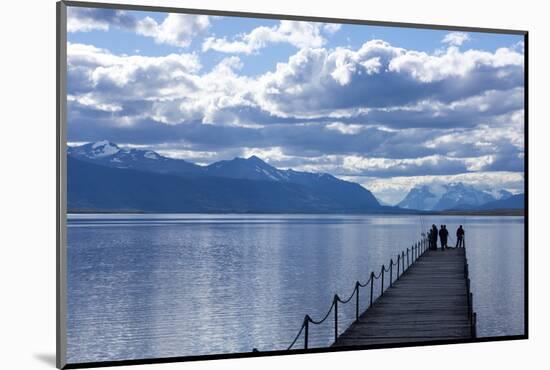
column 428, row 302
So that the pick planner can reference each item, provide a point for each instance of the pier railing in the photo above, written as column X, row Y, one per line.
column 404, row 261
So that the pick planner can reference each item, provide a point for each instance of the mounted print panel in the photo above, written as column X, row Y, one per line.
column 236, row 184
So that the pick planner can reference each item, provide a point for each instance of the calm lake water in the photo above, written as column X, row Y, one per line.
column 143, row 286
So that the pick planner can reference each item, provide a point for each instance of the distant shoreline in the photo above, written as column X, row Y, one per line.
column 503, row 212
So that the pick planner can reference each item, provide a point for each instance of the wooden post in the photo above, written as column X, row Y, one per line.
column 402, row 262
column 407, row 258
column 306, row 331
column 382, row 285
column 391, row 269
column 371, row 286
column 474, row 325
column 469, row 296
column 357, row 300
column 398, row 262
column 335, row 317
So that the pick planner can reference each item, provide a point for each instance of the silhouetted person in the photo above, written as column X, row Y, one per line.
column 460, row 237
column 433, row 239
column 443, row 234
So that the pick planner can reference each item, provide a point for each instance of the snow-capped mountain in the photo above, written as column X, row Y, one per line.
column 110, row 154
column 252, row 168
column 347, row 193
column 95, row 150
column 503, row 194
column 453, row 196
column 419, row 198
column 461, row 196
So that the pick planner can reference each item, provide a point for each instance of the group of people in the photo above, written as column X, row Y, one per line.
column 443, row 235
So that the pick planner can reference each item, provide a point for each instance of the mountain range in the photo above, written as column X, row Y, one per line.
column 104, row 177
column 516, row 201
column 459, row 196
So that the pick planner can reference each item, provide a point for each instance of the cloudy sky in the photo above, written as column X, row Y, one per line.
column 389, row 108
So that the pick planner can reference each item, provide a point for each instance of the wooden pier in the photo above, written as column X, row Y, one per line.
column 424, row 296
column 430, row 301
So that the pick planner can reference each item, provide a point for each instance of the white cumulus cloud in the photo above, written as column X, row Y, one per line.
column 455, row 38
column 298, row 34
column 331, row 28
column 175, row 29
column 314, row 82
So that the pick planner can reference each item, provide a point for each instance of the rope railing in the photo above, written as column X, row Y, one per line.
column 416, row 251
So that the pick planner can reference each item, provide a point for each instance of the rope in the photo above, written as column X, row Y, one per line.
column 297, row 336
column 367, row 283
column 324, row 318
column 344, row 301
